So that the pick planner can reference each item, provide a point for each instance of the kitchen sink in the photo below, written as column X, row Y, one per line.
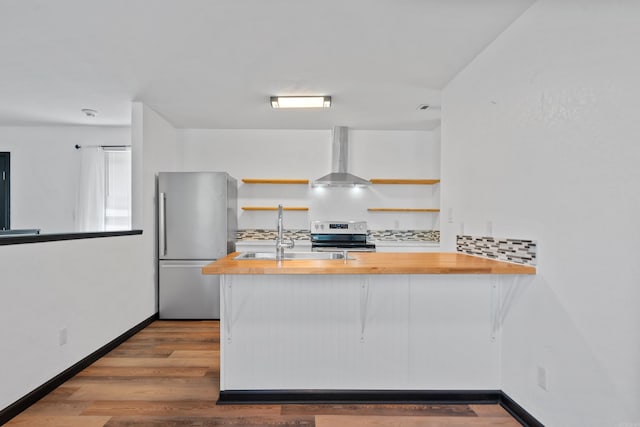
column 291, row 255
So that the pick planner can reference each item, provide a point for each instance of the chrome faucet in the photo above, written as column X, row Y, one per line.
column 280, row 241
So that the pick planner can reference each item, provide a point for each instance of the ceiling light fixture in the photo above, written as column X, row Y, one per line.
column 301, row 101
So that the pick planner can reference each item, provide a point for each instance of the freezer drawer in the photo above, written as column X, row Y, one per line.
column 186, row 293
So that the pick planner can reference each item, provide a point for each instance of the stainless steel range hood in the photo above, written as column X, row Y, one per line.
column 339, row 177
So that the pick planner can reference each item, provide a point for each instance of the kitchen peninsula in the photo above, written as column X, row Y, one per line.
column 377, row 321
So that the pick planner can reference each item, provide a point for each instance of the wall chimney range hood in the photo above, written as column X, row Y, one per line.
column 339, row 177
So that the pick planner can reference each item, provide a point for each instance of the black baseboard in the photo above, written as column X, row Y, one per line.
column 357, row 396
column 440, row 397
column 29, row 399
column 518, row 412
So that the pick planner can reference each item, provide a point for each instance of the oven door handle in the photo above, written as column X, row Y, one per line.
column 324, row 249
column 338, row 249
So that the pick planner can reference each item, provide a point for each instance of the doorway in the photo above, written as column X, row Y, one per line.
column 5, row 200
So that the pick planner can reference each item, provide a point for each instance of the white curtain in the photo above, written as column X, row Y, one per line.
column 118, row 190
column 90, row 207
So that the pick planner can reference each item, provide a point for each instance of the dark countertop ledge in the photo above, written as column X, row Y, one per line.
column 56, row 237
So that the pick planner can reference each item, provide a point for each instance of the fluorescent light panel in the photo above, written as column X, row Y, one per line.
column 301, row 101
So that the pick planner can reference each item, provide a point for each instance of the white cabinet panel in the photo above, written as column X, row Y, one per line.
column 450, row 335
column 358, row 332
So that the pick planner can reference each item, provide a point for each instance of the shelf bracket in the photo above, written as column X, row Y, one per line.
column 364, row 305
column 502, row 298
column 495, row 307
column 226, row 284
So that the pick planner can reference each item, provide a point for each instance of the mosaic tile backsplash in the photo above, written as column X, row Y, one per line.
column 512, row 250
column 264, row 234
column 379, row 235
column 405, row 235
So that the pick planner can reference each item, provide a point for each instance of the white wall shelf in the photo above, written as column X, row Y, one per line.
column 404, row 181
column 274, row 208
column 433, row 210
column 274, row 181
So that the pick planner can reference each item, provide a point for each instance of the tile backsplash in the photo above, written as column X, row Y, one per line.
column 378, row 235
column 405, row 235
column 512, row 250
column 264, row 234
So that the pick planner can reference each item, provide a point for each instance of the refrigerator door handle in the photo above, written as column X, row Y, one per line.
column 162, row 227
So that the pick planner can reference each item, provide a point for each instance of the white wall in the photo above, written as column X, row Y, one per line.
column 307, row 154
column 539, row 136
column 153, row 150
column 45, row 171
column 91, row 287
column 96, row 289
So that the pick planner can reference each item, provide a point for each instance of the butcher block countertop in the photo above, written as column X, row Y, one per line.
column 372, row 263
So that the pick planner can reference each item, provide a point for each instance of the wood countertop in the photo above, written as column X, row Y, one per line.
column 372, row 263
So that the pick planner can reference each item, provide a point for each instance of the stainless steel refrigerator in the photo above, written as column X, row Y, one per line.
column 197, row 224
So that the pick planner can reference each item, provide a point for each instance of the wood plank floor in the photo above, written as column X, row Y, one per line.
column 167, row 375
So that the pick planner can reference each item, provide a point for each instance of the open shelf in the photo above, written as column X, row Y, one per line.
column 274, row 181
column 404, row 181
column 402, row 210
column 274, row 208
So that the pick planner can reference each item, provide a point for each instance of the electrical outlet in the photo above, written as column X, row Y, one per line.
column 542, row 378
column 62, row 336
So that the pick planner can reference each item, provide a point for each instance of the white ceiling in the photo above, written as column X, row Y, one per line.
column 214, row 63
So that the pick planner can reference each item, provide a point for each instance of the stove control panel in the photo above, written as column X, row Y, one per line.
column 338, row 227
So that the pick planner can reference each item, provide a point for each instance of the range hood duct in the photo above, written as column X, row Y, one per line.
column 339, row 177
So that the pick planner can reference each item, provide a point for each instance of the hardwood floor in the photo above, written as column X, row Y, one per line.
column 167, row 375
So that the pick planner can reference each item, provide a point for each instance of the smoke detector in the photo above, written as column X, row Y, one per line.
column 89, row 112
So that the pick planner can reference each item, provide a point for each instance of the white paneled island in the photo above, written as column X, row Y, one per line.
column 379, row 321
